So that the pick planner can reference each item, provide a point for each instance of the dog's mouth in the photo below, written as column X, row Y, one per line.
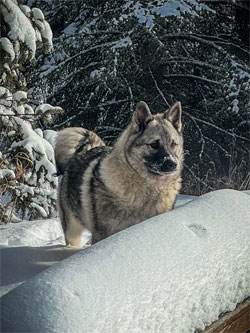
column 155, row 172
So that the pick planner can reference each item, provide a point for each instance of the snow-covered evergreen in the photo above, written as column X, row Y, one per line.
column 27, row 184
column 111, row 54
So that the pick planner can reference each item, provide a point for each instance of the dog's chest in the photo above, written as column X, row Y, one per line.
column 135, row 206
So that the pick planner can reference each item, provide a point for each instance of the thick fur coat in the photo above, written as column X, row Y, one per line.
column 106, row 190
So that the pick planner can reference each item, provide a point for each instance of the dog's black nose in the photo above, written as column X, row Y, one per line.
column 168, row 165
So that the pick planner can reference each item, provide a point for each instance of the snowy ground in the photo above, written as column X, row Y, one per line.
column 173, row 273
column 27, row 248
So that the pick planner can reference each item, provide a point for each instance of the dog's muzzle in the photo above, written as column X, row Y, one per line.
column 168, row 165
column 163, row 166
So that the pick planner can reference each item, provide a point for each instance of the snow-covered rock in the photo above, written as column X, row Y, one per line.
column 176, row 272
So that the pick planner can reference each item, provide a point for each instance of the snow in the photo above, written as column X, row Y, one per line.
column 22, row 31
column 124, row 42
column 97, row 72
column 26, row 10
column 50, row 136
column 46, row 33
column 146, row 13
column 20, row 96
column 30, row 243
column 47, row 110
column 38, row 14
column 38, row 154
column 20, row 27
column 3, row 92
column 70, row 29
column 176, row 272
column 32, row 233
column 33, row 142
column 7, row 47
column 7, row 173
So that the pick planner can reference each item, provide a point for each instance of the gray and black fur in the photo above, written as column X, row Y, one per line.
column 106, row 190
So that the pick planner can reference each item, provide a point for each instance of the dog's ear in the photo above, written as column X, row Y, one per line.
column 174, row 116
column 142, row 116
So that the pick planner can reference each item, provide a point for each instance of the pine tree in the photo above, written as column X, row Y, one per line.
column 27, row 184
column 110, row 54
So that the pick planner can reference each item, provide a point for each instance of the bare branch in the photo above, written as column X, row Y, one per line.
column 217, row 128
column 198, row 39
column 108, row 44
column 194, row 77
column 193, row 62
column 158, row 89
column 197, row 178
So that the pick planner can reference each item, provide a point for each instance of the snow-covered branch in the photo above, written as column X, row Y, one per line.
column 27, row 185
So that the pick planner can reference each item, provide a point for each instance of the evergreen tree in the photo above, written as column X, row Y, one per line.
column 27, row 185
column 110, row 54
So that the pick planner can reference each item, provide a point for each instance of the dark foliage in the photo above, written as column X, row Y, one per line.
column 109, row 57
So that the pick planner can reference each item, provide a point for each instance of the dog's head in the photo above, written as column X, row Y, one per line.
column 155, row 143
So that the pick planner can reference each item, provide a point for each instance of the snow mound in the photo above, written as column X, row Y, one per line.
column 33, row 233
column 176, row 272
column 20, row 263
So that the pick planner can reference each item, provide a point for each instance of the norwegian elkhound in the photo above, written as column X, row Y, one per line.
column 105, row 190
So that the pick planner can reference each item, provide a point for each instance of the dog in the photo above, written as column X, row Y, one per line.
column 106, row 190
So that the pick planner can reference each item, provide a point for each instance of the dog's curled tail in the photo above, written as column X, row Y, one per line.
column 71, row 140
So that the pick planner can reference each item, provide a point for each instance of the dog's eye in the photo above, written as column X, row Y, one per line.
column 155, row 145
column 173, row 144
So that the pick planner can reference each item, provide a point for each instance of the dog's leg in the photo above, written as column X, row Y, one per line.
column 73, row 231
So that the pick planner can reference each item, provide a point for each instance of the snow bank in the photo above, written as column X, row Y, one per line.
column 18, row 264
column 173, row 273
column 27, row 248
column 33, row 233
column 46, row 232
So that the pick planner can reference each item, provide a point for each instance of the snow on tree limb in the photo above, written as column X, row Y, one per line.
column 26, row 30
column 7, row 46
column 27, row 184
column 21, row 29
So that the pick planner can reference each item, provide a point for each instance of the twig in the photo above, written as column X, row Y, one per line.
column 158, row 89
column 194, row 77
column 199, row 180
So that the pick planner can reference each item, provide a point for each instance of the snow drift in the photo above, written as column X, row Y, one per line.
column 176, row 272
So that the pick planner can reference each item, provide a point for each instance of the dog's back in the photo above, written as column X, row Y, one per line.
column 69, row 141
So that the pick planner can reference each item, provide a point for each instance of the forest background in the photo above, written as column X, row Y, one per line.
column 104, row 57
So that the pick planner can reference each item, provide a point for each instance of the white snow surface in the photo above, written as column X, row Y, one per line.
column 21, row 27
column 20, row 96
column 176, row 272
column 32, row 233
column 7, row 47
column 50, row 136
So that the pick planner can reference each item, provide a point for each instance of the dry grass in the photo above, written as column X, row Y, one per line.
column 237, row 177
